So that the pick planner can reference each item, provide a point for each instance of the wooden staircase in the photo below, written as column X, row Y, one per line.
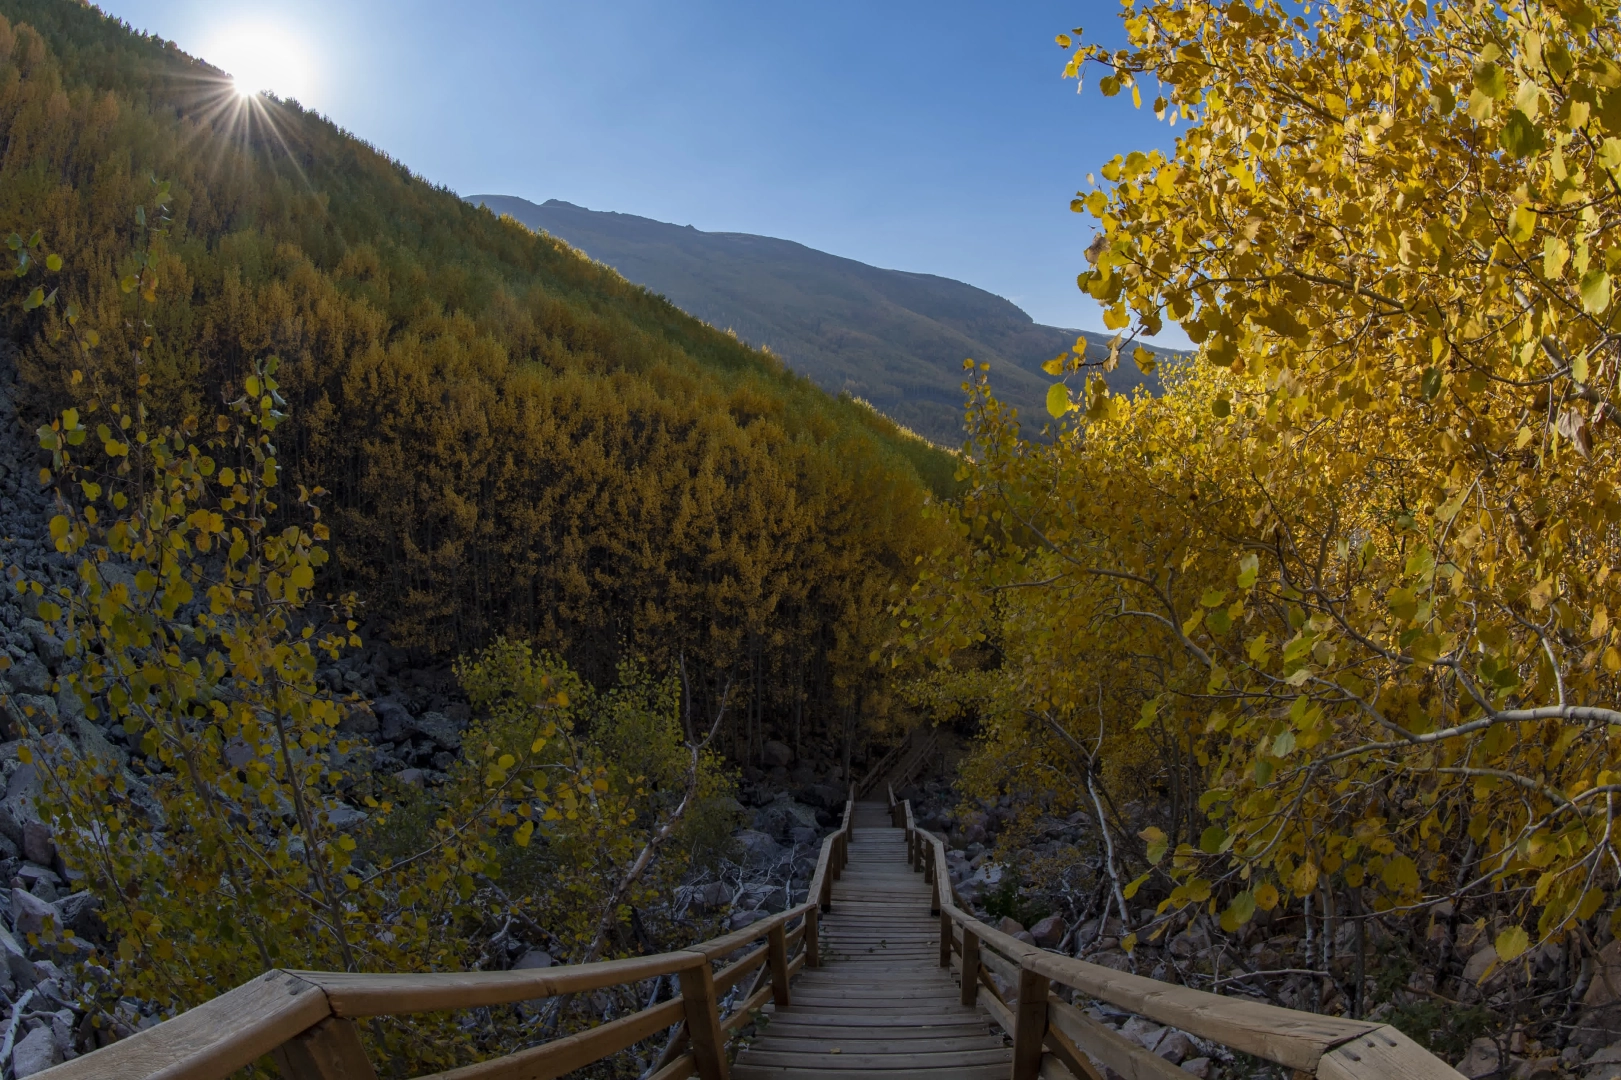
column 854, row 984
column 880, row 1006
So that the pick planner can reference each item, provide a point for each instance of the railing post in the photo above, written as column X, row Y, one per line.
column 703, row 1021
column 934, row 881
column 813, row 939
column 1029, row 1024
column 777, row 954
column 970, row 967
column 945, row 940
column 331, row 1050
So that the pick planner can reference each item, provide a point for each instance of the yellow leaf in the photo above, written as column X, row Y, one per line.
column 1511, row 943
column 1595, row 292
column 1058, row 402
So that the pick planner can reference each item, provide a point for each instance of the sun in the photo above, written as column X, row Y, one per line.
column 262, row 58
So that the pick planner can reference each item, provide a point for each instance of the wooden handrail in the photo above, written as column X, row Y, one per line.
column 306, row 1018
column 1330, row 1047
column 915, row 762
column 876, row 773
column 917, row 757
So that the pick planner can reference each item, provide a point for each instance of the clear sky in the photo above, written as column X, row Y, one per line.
column 934, row 137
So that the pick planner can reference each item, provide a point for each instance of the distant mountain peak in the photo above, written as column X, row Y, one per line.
column 894, row 338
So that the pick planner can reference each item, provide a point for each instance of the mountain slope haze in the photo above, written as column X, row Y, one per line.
column 893, row 338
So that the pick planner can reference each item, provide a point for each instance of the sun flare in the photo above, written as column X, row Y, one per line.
column 262, row 58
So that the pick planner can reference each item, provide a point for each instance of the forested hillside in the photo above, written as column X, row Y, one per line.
column 513, row 438
column 893, row 338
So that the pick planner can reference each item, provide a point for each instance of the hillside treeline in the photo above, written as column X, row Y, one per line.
column 513, row 440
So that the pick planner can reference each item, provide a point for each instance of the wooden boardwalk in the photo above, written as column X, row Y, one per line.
column 880, row 1006
column 875, row 1005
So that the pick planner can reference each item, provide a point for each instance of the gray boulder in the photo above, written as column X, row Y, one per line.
column 358, row 719
column 81, row 913
column 35, row 1053
column 29, row 676
column 1049, row 931
column 47, row 646
column 141, row 797
column 759, row 849
column 1144, row 1032
column 16, row 959
column 1599, row 1022
column 1610, row 1055
column 828, row 796
column 1175, row 1047
column 92, row 743
column 68, row 704
column 343, row 817
column 777, row 754
column 22, row 790
column 30, row 914
column 394, row 722
column 740, row 919
column 39, row 844
column 1483, row 1059
column 10, row 827
column 34, row 712
column 441, row 729
column 780, row 818
column 534, row 958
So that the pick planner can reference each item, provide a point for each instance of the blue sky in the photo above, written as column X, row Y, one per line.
column 933, row 137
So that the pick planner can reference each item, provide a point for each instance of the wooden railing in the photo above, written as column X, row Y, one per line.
column 1051, row 1036
column 881, row 768
column 912, row 750
column 305, row 1020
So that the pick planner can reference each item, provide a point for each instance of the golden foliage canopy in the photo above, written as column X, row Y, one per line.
column 1352, row 575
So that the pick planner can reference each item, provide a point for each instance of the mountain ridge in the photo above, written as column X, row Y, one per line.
column 895, row 338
